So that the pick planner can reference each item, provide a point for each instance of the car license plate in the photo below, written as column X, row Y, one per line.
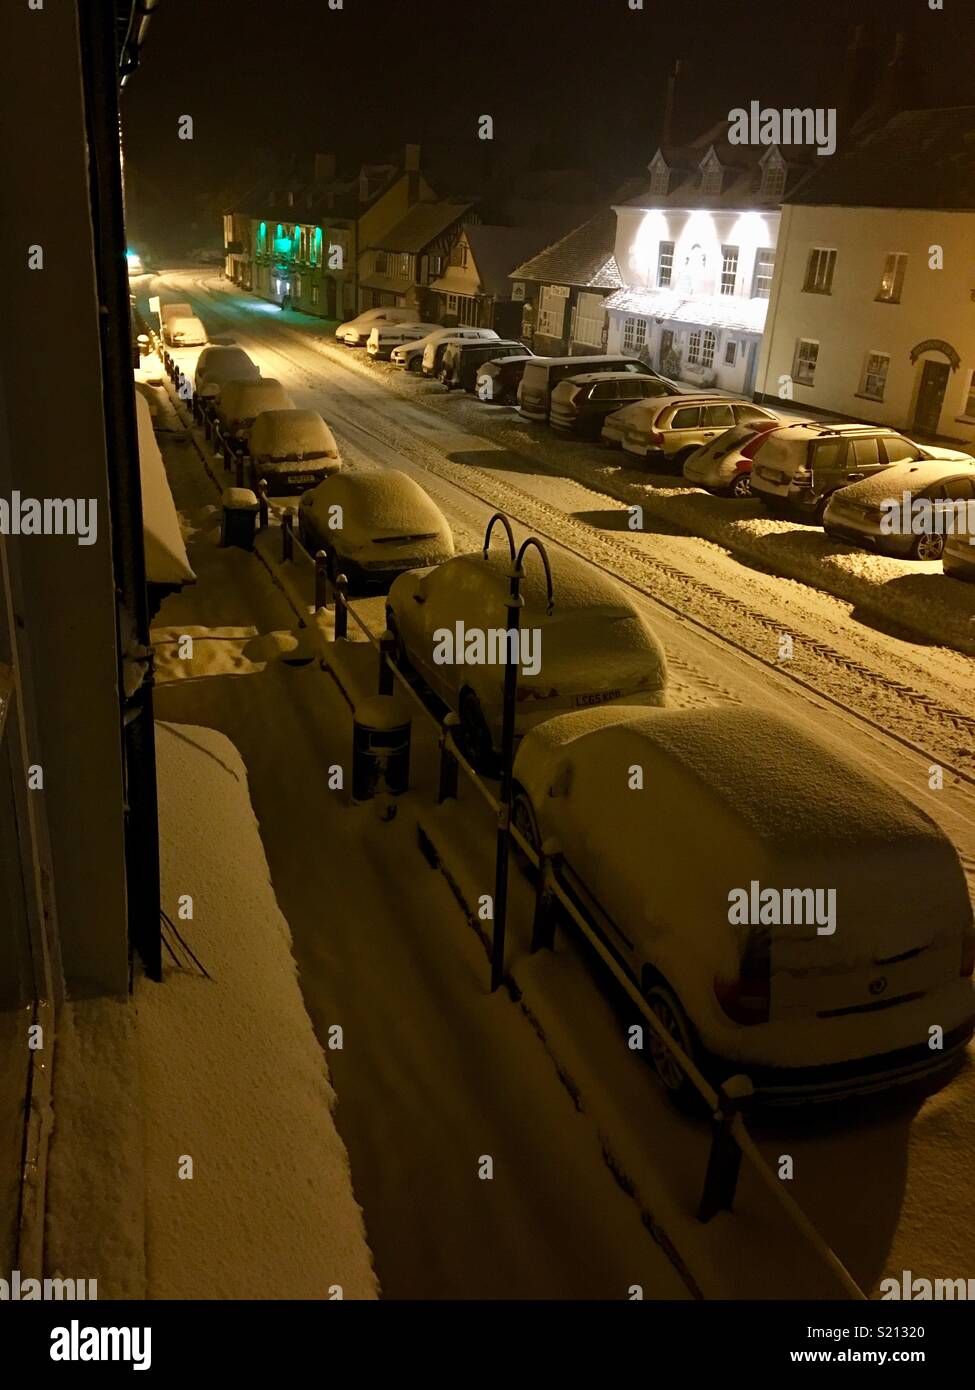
column 596, row 697
column 297, row 478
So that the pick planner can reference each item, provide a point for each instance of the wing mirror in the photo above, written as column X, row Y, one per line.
column 419, row 597
column 562, row 781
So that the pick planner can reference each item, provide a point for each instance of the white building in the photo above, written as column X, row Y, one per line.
column 696, row 254
column 872, row 314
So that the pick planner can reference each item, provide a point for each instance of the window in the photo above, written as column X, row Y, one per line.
column 634, row 334
column 694, row 349
column 314, row 295
column 764, row 266
column 687, row 418
column 892, row 280
column 874, row 381
column 700, row 348
column 707, row 349
column 665, row 265
column 660, row 179
column 751, row 415
column 899, row 449
column 730, row 353
column 865, row 454
column 551, row 311
column 712, row 178
column 719, row 417
column 729, row 269
column 804, row 367
column 382, row 263
column 773, row 179
column 819, row 271
column 436, row 266
column 970, row 401
column 589, row 320
column 297, row 288
column 451, row 304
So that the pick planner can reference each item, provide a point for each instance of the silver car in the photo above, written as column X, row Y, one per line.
column 669, row 430
column 907, row 510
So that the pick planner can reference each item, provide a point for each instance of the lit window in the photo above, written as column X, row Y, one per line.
column 730, row 353
column 634, row 334
column 892, row 280
column 773, row 179
column 694, row 348
column 804, row 367
column 874, row 381
column 551, row 311
column 819, row 271
column 665, row 265
column 314, row 295
column 590, row 316
column 707, row 348
column 764, row 266
column 729, row 269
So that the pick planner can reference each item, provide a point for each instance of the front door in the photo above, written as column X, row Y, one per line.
column 666, row 347
column 930, row 396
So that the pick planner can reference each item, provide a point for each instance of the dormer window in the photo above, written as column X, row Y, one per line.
column 712, row 176
column 773, row 177
column 659, row 178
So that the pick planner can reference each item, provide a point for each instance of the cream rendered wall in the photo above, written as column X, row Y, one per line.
column 639, row 233
column 849, row 323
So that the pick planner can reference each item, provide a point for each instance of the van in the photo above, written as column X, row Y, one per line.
column 462, row 361
column 544, row 373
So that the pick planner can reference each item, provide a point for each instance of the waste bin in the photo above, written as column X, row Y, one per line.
column 381, row 730
column 240, row 507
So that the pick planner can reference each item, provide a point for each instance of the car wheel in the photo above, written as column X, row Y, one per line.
column 413, row 365
column 475, row 732
column 741, row 485
column 927, row 547
column 523, row 820
column 668, row 1010
column 819, row 511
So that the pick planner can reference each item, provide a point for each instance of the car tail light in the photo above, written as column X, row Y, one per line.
column 749, row 449
column 747, row 998
column 656, row 439
column 967, row 964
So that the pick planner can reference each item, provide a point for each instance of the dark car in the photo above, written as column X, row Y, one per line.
column 461, row 362
column 542, row 375
column 581, row 403
column 498, row 381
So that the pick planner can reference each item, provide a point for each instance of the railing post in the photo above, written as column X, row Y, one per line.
column 387, row 650
column 449, row 767
column 543, row 921
column 288, row 535
column 262, row 504
column 321, row 580
column 240, row 457
column 724, row 1160
column 341, row 606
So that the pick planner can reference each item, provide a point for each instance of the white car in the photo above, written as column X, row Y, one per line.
column 725, row 464
column 410, row 355
column 384, row 337
column 784, row 913
column 186, row 332
column 355, row 332
column 594, row 648
column 180, row 310
column 292, row 450
column 242, row 401
column 218, row 365
column 374, row 525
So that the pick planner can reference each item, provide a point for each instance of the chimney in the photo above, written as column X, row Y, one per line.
column 411, row 158
column 324, row 167
column 858, row 85
column 667, row 130
column 411, row 167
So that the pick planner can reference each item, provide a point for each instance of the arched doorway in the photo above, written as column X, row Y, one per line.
column 932, row 383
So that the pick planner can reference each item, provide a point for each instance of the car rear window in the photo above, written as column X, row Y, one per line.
column 866, row 453
column 899, row 448
column 750, row 414
column 535, row 378
column 721, row 415
column 686, row 417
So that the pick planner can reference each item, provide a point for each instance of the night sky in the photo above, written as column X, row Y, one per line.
column 574, row 83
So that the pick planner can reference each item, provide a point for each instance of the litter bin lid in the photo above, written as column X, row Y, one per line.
column 239, row 499
column 382, row 712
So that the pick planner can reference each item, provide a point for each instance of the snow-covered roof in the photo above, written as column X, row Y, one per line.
column 584, row 257
column 709, row 311
column 165, row 554
column 422, row 224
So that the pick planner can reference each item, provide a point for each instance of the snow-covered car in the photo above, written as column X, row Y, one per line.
column 725, row 465
column 181, row 309
column 461, row 362
column 242, row 401
column 188, row 332
column 958, row 558
column 410, row 355
column 785, row 914
column 905, row 510
column 667, row 431
column 593, row 648
column 216, row 366
column 797, row 468
column 543, row 374
column 498, row 380
column 373, row 526
column 355, row 332
column 383, row 337
column 292, row 449
column 581, row 403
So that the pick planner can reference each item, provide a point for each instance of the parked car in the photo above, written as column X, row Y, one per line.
column 737, row 803
column 462, row 361
column 216, row 366
column 667, row 431
column 543, row 374
column 167, row 312
column 798, row 467
column 581, row 403
column 387, row 524
column 242, row 401
column 904, row 510
column 725, row 465
column 383, row 337
column 188, row 332
column 594, row 647
column 410, row 355
column 498, row 381
column 958, row 558
column 354, row 332
column 434, row 350
column 292, row 449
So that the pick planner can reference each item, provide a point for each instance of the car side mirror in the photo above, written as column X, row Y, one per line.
column 418, row 597
column 562, row 781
